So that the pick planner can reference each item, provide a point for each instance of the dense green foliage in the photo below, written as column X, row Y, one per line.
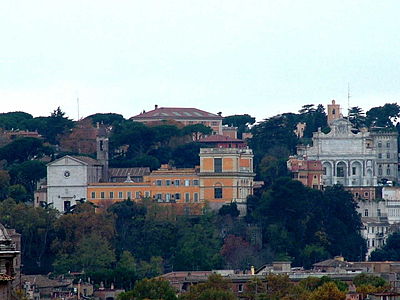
column 391, row 250
column 242, row 122
column 308, row 225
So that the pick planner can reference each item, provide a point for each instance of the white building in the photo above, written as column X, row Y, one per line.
column 67, row 180
column 347, row 158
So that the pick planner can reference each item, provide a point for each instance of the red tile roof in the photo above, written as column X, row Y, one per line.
column 177, row 113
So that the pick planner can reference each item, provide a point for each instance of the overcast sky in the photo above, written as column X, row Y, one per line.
column 257, row 57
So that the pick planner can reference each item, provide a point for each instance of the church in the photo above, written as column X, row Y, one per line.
column 350, row 157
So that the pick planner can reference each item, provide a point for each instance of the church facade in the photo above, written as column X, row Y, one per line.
column 347, row 158
column 353, row 157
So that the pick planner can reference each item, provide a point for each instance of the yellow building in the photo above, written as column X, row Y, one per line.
column 224, row 176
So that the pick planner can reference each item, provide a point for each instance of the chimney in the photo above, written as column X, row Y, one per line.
column 155, row 106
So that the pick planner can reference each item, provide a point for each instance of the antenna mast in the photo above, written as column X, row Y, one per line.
column 348, row 99
column 77, row 102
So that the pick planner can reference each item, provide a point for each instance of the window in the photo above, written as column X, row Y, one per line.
column 378, row 212
column 379, row 144
column 196, row 197
column 380, row 170
column 195, row 182
column 177, row 182
column 158, row 196
column 218, row 192
column 324, row 170
column 67, row 205
column 167, row 197
column 214, row 123
column 354, row 170
column 111, row 195
column 333, row 111
column 218, row 165
column 129, row 195
column 388, row 145
column 167, row 182
column 147, row 194
column 93, row 195
column 379, row 155
column 120, row 195
column 158, row 182
column 137, row 195
column 366, row 194
column 177, row 196
column 187, row 197
column 366, row 213
column 388, row 155
column 240, row 288
column 102, row 195
column 340, row 171
column 388, row 171
column 187, row 182
column 186, row 210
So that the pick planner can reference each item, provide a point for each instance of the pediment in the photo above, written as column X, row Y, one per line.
column 67, row 161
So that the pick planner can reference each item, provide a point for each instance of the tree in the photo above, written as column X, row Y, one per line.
column 14, row 120
column 196, row 131
column 23, row 149
column 197, row 246
column 238, row 253
column 271, row 168
column 187, row 155
column 242, row 122
column 229, row 209
column 81, row 139
column 215, row 288
column 36, row 226
column 278, row 285
column 147, row 289
column 28, row 174
column 70, row 229
column 56, row 125
column 273, row 132
column 328, row 291
column 342, row 224
column 391, row 250
column 357, row 117
column 255, row 289
column 367, row 279
column 19, row 193
column 126, row 270
column 93, row 254
column 383, row 116
column 105, row 118
column 4, row 184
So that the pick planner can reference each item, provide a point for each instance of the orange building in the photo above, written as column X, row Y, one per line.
column 308, row 172
column 224, row 176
